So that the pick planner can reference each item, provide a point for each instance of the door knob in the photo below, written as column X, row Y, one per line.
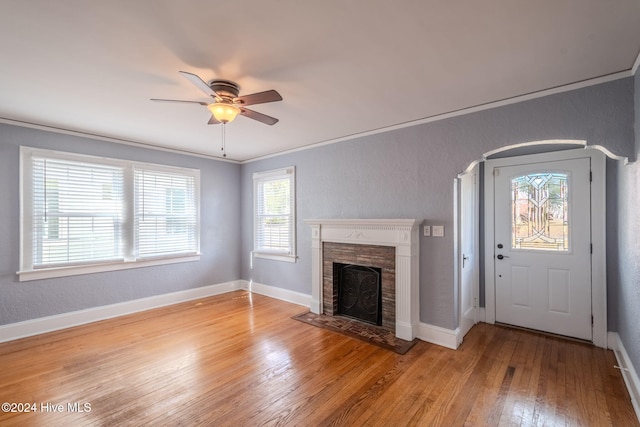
column 502, row 256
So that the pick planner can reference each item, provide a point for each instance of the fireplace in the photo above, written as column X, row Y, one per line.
column 359, row 292
column 376, row 257
column 388, row 245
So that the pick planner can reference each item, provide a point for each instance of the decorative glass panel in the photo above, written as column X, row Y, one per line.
column 539, row 219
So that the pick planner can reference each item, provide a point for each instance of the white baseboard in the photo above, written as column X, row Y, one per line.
column 612, row 340
column 440, row 336
column 42, row 325
column 628, row 371
column 429, row 333
column 277, row 293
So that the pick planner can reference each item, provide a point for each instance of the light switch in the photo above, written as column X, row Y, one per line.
column 427, row 230
column 438, row 230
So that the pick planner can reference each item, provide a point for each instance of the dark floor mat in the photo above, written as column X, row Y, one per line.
column 355, row 329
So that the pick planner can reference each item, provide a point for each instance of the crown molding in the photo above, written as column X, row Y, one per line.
column 455, row 113
column 463, row 111
column 122, row 141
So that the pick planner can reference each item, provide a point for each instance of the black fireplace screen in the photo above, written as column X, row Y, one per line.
column 359, row 292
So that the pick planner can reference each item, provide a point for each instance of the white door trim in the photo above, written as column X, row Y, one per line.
column 598, row 233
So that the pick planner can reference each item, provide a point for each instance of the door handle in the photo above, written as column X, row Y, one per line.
column 502, row 256
column 464, row 258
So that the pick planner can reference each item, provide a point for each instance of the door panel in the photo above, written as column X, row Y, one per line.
column 469, row 267
column 542, row 254
column 559, row 291
column 520, row 286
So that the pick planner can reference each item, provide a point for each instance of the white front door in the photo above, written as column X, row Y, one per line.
column 542, row 246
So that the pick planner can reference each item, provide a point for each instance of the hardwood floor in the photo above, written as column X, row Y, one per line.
column 240, row 360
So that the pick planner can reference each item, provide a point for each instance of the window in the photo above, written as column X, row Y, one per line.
column 83, row 214
column 274, row 214
column 539, row 212
column 77, row 212
column 165, row 213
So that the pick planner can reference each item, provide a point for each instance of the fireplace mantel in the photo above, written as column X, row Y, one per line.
column 402, row 234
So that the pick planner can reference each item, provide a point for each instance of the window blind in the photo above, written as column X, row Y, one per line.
column 77, row 212
column 274, row 212
column 165, row 213
column 102, row 214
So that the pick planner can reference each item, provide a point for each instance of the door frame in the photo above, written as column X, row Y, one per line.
column 598, row 233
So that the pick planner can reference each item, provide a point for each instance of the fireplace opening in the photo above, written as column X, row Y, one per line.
column 359, row 292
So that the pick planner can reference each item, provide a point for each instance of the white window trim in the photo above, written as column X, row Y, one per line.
column 50, row 273
column 276, row 256
column 27, row 273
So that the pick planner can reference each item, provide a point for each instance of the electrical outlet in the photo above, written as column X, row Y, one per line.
column 438, row 230
column 427, row 230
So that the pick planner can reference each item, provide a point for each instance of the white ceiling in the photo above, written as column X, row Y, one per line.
column 343, row 67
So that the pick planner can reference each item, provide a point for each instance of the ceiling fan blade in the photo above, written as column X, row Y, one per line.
column 267, row 120
column 177, row 100
column 197, row 81
column 258, row 98
column 213, row 121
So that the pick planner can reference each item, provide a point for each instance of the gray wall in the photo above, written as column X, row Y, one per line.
column 627, row 298
column 220, row 261
column 408, row 173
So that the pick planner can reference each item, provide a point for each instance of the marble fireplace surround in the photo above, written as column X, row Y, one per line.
column 402, row 234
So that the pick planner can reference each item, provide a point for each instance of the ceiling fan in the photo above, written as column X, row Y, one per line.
column 227, row 104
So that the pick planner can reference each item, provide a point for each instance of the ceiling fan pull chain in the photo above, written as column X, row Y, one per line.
column 224, row 152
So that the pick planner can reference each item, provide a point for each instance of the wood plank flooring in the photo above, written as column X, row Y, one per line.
column 240, row 360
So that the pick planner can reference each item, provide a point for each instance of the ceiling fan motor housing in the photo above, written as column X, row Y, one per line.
column 225, row 88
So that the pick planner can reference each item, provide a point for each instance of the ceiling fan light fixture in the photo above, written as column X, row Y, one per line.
column 224, row 113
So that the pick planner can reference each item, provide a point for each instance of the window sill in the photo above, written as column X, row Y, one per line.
column 275, row 257
column 50, row 273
